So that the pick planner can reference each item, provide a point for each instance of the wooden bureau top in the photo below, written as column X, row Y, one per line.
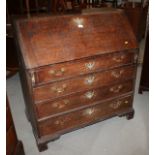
column 54, row 39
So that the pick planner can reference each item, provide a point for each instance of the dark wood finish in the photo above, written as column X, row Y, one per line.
column 65, row 60
column 8, row 117
column 71, row 69
column 19, row 7
column 61, row 35
column 137, row 16
column 13, row 145
column 98, row 3
column 11, row 141
column 144, row 80
column 11, row 57
column 130, row 115
column 42, row 147
column 82, row 99
column 65, row 6
column 86, row 82
column 15, row 7
column 84, row 116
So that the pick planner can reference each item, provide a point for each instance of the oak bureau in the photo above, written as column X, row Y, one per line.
column 76, row 70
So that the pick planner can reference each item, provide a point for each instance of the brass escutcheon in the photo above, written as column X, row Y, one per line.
column 89, row 94
column 89, row 80
column 90, row 65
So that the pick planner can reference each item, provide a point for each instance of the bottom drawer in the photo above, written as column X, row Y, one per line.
column 85, row 116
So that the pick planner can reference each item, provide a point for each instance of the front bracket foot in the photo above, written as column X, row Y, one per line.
column 128, row 115
column 42, row 147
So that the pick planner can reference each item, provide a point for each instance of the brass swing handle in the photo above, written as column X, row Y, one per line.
column 118, row 103
column 59, row 89
column 57, row 73
column 60, row 105
column 89, row 94
column 89, row 112
column 119, row 59
column 117, row 74
column 62, row 122
column 116, row 89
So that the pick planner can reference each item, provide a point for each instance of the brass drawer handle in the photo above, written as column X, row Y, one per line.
column 57, row 73
column 90, row 94
column 119, row 59
column 89, row 80
column 57, row 122
column 117, row 74
column 90, row 65
column 61, row 122
column 60, row 105
column 126, row 101
column 89, row 111
column 116, row 89
column 59, row 89
column 117, row 104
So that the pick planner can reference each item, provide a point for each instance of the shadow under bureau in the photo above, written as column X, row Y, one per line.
column 76, row 70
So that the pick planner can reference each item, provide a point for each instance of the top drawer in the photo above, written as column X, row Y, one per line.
column 83, row 66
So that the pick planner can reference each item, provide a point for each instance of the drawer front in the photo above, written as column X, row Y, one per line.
column 11, row 141
column 81, row 83
column 84, row 117
column 70, row 69
column 81, row 99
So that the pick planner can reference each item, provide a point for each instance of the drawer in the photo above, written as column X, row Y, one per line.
column 11, row 141
column 85, row 116
column 83, row 66
column 81, row 83
column 82, row 99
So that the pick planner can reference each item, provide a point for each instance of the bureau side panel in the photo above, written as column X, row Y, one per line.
column 26, row 85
